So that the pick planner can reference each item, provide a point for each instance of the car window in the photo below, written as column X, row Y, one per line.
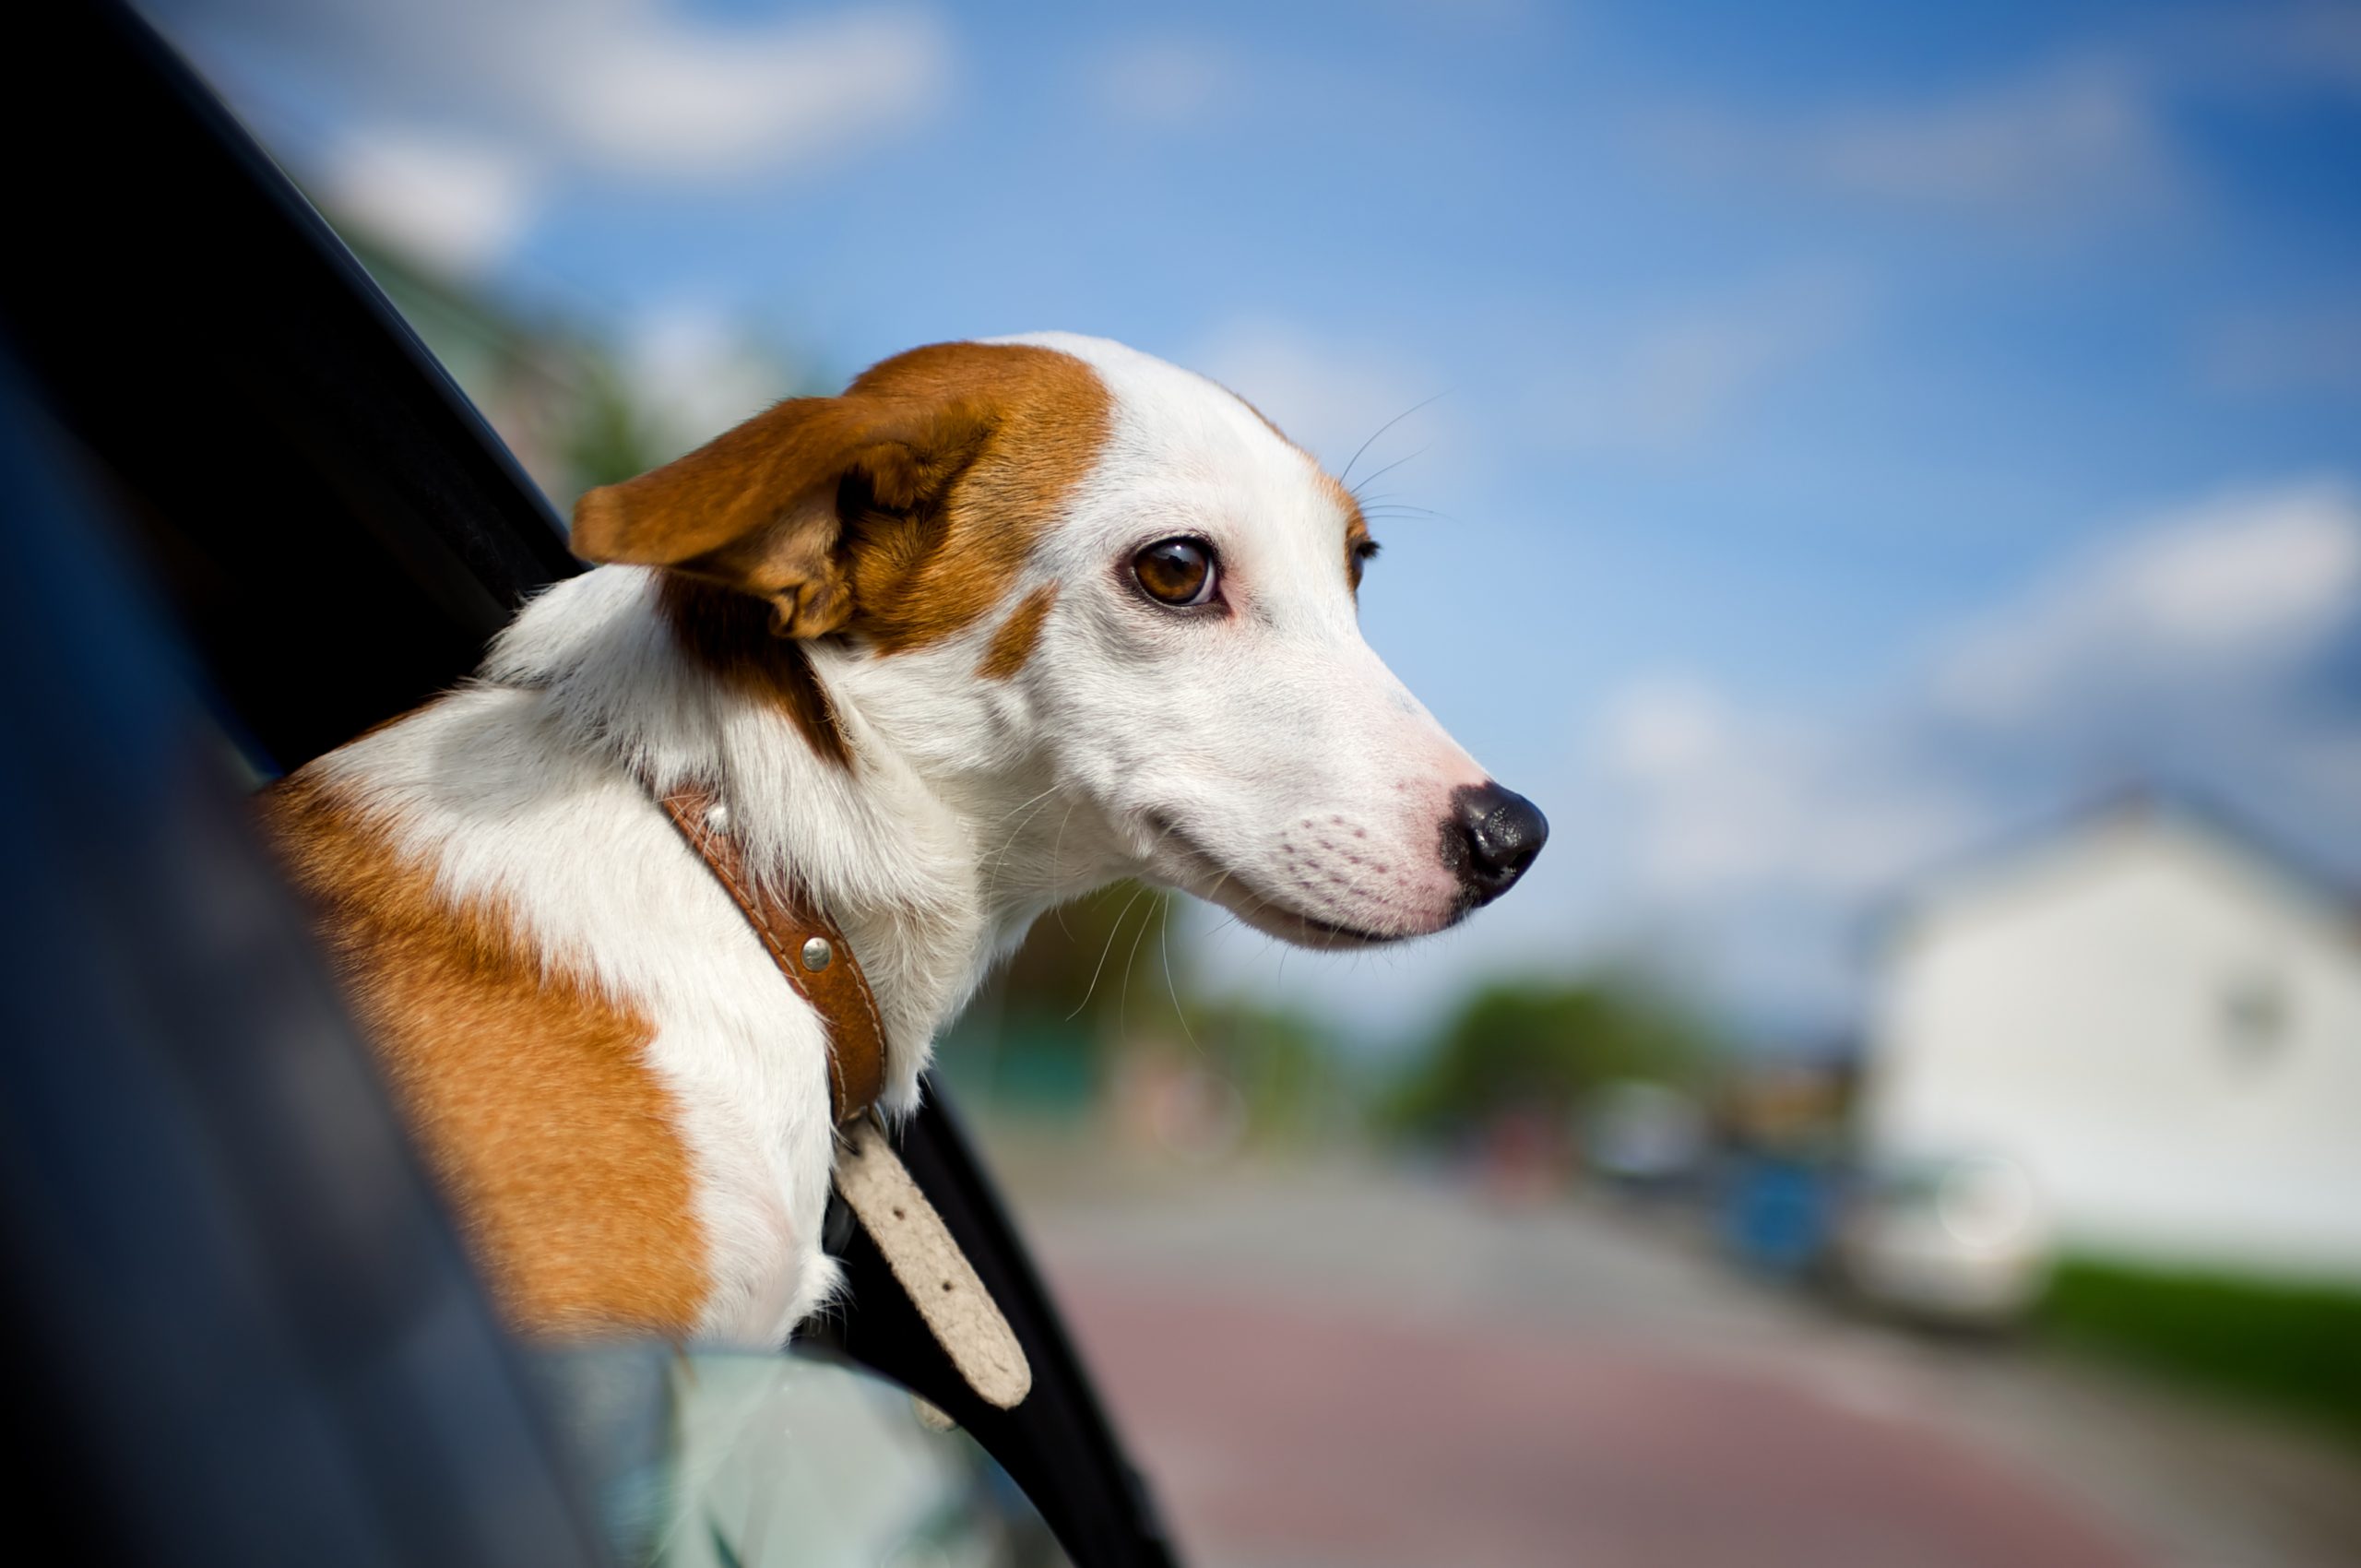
column 719, row 1460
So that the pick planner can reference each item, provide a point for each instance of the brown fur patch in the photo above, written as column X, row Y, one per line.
column 1012, row 644
column 528, row 1094
column 926, row 572
column 730, row 635
column 899, row 513
column 1356, row 539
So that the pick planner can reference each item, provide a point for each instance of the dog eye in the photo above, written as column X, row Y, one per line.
column 1177, row 571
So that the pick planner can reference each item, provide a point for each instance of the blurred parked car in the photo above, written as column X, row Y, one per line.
column 1960, row 1242
column 1644, row 1137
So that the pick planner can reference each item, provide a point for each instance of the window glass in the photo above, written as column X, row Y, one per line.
column 715, row 1460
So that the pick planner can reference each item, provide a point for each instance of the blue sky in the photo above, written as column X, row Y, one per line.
column 1858, row 431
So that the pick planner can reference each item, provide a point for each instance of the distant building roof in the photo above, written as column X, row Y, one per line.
column 2138, row 801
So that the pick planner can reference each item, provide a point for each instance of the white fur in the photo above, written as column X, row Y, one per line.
column 1268, row 761
column 1265, row 760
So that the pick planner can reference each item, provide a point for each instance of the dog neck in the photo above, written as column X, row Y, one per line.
column 933, row 840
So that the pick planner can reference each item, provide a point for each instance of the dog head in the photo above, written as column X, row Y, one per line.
column 1058, row 569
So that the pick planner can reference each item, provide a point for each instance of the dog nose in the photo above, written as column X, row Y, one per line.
column 1493, row 834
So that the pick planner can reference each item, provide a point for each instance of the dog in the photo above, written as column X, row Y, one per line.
column 1001, row 624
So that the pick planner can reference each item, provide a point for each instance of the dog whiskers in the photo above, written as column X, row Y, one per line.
column 991, row 884
column 1164, row 940
column 1387, row 469
column 1057, row 850
column 1130, row 962
column 1113, row 932
column 1260, row 904
column 1381, row 429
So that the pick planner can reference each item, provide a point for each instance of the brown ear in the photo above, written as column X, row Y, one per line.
column 764, row 508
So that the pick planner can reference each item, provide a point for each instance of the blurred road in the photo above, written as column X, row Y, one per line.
column 1330, row 1366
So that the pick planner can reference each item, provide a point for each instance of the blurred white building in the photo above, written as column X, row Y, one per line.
column 2155, row 1022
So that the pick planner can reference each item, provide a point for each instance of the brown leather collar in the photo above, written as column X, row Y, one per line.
column 807, row 947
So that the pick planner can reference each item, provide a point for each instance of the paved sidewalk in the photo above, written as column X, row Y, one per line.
column 1334, row 1366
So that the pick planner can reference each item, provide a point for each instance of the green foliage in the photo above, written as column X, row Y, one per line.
column 1104, row 975
column 1100, row 963
column 2294, row 1347
column 1539, row 1046
column 605, row 435
column 1087, row 978
column 1282, row 1062
column 560, row 391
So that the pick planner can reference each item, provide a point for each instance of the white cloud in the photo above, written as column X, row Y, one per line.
column 1171, row 80
column 2049, row 146
column 2226, row 593
column 699, row 372
column 1733, row 803
column 2066, row 146
column 1665, row 729
column 457, row 206
column 2210, row 648
column 398, row 109
column 655, row 96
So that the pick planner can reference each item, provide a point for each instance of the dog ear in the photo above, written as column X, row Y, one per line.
column 775, row 507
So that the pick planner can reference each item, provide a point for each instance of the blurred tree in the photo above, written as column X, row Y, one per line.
column 1529, row 1047
column 1095, row 1012
column 607, row 435
column 1100, row 962
column 573, row 398
column 1283, row 1062
column 1088, row 975
column 521, row 374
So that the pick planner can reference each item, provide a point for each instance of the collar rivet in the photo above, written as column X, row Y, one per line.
column 817, row 954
